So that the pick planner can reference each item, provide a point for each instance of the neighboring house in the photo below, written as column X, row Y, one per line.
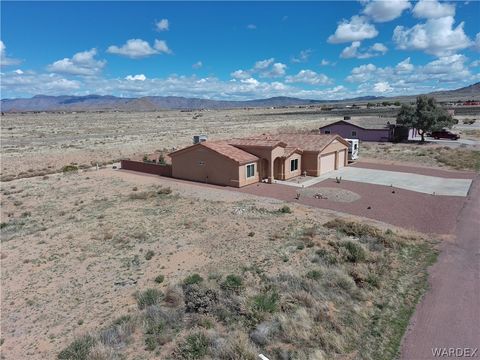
column 240, row 162
column 369, row 129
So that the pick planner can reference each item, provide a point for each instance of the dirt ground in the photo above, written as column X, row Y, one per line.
column 74, row 248
column 88, row 138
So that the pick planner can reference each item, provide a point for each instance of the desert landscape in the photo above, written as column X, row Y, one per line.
column 80, row 250
column 216, row 180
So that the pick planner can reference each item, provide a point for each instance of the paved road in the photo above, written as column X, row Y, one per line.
column 449, row 314
column 402, row 180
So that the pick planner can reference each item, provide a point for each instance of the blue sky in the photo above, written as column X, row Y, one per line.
column 235, row 50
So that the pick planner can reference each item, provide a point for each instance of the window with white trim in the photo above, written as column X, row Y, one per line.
column 354, row 133
column 250, row 170
column 293, row 165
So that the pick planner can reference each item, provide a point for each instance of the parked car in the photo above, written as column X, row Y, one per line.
column 445, row 134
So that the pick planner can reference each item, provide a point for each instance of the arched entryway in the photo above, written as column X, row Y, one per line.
column 279, row 169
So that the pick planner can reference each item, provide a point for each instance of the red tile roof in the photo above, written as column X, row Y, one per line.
column 270, row 143
column 305, row 142
column 231, row 152
column 222, row 148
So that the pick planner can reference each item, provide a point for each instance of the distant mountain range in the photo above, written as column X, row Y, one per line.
column 151, row 103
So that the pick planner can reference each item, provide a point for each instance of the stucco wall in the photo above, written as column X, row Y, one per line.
column 149, row 168
column 345, row 131
column 242, row 175
column 310, row 163
column 289, row 174
column 205, row 165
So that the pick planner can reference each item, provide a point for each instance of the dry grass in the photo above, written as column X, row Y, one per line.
column 307, row 308
column 461, row 158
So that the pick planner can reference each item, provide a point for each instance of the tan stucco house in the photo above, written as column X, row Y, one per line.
column 240, row 162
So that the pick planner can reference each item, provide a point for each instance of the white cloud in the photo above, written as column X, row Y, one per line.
column 357, row 29
column 138, row 48
column 4, row 60
column 277, row 70
column 251, row 26
column 379, row 47
column 240, row 74
column 432, row 9
column 308, row 77
column 162, row 47
column 263, row 64
column 408, row 78
column 404, row 66
column 139, row 77
column 267, row 68
column 383, row 11
column 436, row 36
column 32, row 83
column 448, row 68
column 354, row 51
column 82, row 63
column 18, row 71
column 325, row 62
column 303, row 56
column 475, row 63
column 382, row 87
column 476, row 45
column 197, row 65
column 162, row 25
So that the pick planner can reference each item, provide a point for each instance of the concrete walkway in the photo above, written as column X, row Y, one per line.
column 413, row 182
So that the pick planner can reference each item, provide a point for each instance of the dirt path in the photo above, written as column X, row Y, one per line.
column 449, row 314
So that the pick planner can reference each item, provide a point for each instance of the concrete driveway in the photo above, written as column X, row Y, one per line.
column 413, row 182
column 402, row 180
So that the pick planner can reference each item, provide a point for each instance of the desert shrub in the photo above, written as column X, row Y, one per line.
column 164, row 191
column 79, row 349
column 118, row 334
column 263, row 332
column 199, row 300
column 355, row 251
column 149, row 255
column 232, row 283
column 266, row 302
column 285, row 210
column 352, row 228
column 469, row 121
column 148, row 297
column 314, row 274
column 235, row 346
column 192, row 279
column 327, row 257
column 173, row 296
column 195, row 346
column 150, row 343
column 144, row 195
column 339, row 279
column 373, row 279
column 69, row 168
column 159, row 279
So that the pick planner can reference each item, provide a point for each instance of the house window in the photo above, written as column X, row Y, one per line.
column 250, row 170
column 293, row 165
column 326, row 132
column 354, row 133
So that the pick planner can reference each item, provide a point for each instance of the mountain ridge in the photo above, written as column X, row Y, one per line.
column 95, row 102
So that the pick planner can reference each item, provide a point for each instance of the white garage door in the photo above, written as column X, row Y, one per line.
column 341, row 158
column 327, row 163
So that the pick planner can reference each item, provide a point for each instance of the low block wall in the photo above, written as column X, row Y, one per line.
column 149, row 168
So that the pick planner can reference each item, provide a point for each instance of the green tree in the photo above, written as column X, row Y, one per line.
column 425, row 116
